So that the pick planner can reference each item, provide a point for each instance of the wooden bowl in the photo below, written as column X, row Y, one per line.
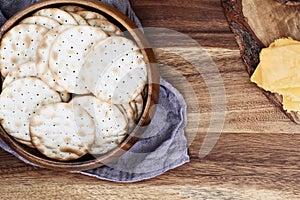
column 125, row 24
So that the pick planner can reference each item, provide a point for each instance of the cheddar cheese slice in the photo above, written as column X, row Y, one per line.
column 290, row 105
column 279, row 71
column 292, row 93
column 257, row 77
column 280, row 63
column 283, row 42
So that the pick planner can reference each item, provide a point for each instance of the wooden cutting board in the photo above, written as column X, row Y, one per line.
column 256, row 24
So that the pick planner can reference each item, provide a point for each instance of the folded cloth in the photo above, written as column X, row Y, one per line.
column 2, row 18
column 9, row 8
column 162, row 147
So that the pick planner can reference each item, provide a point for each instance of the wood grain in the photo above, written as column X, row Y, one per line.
column 256, row 157
column 203, row 20
column 255, row 25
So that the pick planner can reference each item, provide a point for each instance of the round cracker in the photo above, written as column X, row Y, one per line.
column 67, row 57
column 104, row 53
column 41, row 20
column 42, row 55
column 111, row 123
column 24, row 70
column 57, row 14
column 139, row 102
column 90, row 15
column 19, row 101
column 133, row 106
column 144, row 93
column 19, row 45
column 62, row 131
column 123, row 80
column 130, row 113
column 80, row 20
column 72, row 8
column 28, row 70
column 29, row 144
column 106, row 26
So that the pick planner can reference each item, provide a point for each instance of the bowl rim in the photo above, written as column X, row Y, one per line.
column 152, row 93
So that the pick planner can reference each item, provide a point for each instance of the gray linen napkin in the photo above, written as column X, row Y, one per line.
column 162, row 147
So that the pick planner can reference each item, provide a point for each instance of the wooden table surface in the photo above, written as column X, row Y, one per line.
column 256, row 157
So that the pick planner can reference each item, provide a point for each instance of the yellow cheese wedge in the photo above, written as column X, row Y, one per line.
column 279, row 71
column 283, row 42
column 292, row 93
column 289, row 82
column 290, row 105
column 280, row 63
column 256, row 76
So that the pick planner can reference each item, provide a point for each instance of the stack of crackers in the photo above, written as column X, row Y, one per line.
column 72, row 83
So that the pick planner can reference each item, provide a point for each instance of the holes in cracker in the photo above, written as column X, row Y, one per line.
column 112, row 47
